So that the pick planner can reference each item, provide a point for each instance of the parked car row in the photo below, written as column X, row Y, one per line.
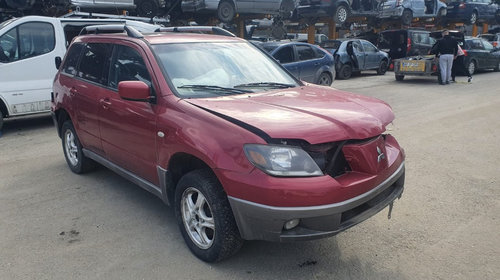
column 469, row 11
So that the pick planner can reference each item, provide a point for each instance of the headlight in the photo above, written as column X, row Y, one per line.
column 282, row 160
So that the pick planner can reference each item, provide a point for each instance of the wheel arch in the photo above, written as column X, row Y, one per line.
column 3, row 108
column 61, row 116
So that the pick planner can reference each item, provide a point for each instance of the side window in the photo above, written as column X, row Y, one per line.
column 36, row 38
column 487, row 45
column 72, row 58
column 9, row 50
column 27, row 40
column 318, row 53
column 368, row 47
column 305, row 52
column 95, row 62
column 284, row 55
column 476, row 44
column 127, row 65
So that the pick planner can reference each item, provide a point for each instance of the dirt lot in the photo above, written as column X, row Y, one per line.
column 58, row 225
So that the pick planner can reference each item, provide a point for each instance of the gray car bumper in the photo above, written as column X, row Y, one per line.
column 262, row 222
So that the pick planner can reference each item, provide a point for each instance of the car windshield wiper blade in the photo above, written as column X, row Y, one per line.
column 224, row 90
column 266, row 84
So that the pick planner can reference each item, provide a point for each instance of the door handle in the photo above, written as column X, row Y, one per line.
column 105, row 103
column 73, row 91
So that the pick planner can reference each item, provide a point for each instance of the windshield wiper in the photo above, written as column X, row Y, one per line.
column 217, row 89
column 266, row 84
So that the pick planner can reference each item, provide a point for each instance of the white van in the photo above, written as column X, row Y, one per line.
column 28, row 48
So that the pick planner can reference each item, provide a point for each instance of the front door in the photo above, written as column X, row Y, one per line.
column 371, row 55
column 128, row 128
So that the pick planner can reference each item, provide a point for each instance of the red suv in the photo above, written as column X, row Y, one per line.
column 219, row 130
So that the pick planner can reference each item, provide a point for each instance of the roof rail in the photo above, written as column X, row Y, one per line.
column 197, row 29
column 111, row 28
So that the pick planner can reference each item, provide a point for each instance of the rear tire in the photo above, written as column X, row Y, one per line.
column 407, row 17
column 345, row 72
column 205, row 218
column 473, row 18
column 382, row 68
column 77, row 161
column 400, row 77
column 341, row 14
column 226, row 11
column 496, row 69
column 471, row 67
column 147, row 8
column 325, row 79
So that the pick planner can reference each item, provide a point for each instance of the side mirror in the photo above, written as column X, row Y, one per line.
column 58, row 61
column 134, row 91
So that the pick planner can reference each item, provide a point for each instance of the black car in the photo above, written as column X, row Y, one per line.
column 405, row 42
column 356, row 55
column 480, row 55
column 472, row 11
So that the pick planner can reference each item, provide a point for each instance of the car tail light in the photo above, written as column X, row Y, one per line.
column 434, row 68
column 461, row 6
column 495, row 44
column 391, row 66
column 465, row 52
column 408, row 45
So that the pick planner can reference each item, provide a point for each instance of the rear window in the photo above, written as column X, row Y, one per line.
column 488, row 37
column 392, row 39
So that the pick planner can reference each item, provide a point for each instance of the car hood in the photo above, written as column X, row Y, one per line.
column 312, row 113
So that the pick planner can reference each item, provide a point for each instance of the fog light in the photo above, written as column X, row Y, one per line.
column 291, row 224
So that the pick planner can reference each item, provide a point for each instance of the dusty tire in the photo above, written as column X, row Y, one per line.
column 399, row 77
column 1, row 121
column 345, row 72
column 496, row 69
column 147, row 8
column 226, row 11
column 473, row 18
column 407, row 17
column 77, row 161
column 341, row 14
column 205, row 218
column 325, row 79
column 471, row 67
column 382, row 68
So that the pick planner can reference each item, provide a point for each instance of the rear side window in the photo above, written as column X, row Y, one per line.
column 72, row 58
column 284, row 55
column 305, row 52
column 94, row 63
column 27, row 40
column 127, row 65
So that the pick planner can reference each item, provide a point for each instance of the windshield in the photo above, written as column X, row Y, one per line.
column 199, row 70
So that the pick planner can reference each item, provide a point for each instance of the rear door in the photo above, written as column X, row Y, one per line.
column 128, row 128
column 308, row 62
column 286, row 56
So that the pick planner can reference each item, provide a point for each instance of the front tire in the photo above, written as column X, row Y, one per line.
column 205, row 218
column 226, row 11
column 77, row 161
column 382, row 68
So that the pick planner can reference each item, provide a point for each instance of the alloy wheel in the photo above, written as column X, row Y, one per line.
column 197, row 218
column 71, row 147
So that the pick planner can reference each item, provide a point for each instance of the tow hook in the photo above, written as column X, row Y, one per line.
column 390, row 210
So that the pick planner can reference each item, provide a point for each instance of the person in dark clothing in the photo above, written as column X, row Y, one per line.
column 459, row 66
column 447, row 49
column 352, row 55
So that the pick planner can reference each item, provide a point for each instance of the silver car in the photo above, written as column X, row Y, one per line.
column 143, row 7
column 406, row 10
column 227, row 9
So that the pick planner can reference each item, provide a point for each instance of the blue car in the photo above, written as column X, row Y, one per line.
column 356, row 55
column 473, row 11
column 306, row 62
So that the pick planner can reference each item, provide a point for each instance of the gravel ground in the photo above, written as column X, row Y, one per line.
column 58, row 225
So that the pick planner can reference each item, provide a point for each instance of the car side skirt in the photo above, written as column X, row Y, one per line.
column 159, row 191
